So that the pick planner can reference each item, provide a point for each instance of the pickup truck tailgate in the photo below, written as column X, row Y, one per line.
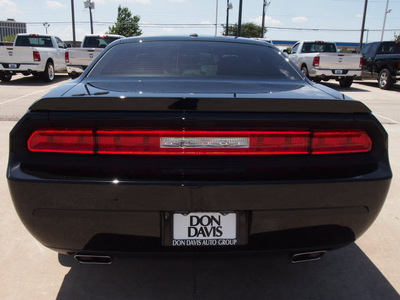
column 16, row 55
column 339, row 61
column 83, row 57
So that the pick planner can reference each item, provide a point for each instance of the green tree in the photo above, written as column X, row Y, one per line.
column 9, row 38
column 126, row 25
column 249, row 29
column 397, row 37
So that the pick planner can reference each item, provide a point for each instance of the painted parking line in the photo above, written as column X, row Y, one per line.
column 30, row 94
column 386, row 118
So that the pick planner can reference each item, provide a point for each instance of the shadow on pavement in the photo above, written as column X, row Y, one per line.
column 346, row 273
column 337, row 87
column 395, row 87
column 34, row 81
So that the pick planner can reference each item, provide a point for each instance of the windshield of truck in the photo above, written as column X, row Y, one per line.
column 34, row 41
column 191, row 59
column 312, row 47
column 98, row 41
column 389, row 48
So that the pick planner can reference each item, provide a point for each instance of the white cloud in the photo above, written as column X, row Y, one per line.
column 9, row 8
column 54, row 4
column 268, row 21
column 299, row 19
column 177, row 0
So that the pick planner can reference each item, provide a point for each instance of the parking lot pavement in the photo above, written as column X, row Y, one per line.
column 368, row 269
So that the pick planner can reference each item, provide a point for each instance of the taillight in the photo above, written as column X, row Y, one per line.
column 316, row 61
column 67, row 57
column 330, row 142
column 178, row 142
column 362, row 62
column 36, row 56
column 62, row 141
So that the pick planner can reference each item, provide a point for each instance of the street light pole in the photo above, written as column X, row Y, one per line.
column 46, row 25
column 363, row 23
column 384, row 20
column 239, row 32
column 90, row 4
column 73, row 23
column 228, row 7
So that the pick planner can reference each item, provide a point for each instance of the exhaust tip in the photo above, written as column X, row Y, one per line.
column 307, row 256
column 87, row 259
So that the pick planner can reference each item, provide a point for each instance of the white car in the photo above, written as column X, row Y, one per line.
column 41, row 55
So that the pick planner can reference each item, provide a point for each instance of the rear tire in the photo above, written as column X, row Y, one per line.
column 304, row 70
column 5, row 77
column 385, row 80
column 48, row 74
column 346, row 82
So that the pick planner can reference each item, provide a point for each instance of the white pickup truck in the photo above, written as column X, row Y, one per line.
column 320, row 60
column 92, row 46
column 40, row 55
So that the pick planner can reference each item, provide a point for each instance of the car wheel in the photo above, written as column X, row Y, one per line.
column 304, row 70
column 346, row 82
column 5, row 77
column 385, row 79
column 48, row 74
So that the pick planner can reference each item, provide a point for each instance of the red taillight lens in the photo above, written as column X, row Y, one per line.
column 176, row 142
column 203, row 142
column 316, row 61
column 361, row 62
column 36, row 56
column 332, row 142
column 67, row 57
column 62, row 141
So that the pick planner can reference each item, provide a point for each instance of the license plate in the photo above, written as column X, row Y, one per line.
column 13, row 66
column 338, row 71
column 204, row 229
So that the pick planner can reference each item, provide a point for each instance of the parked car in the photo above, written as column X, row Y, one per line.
column 382, row 62
column 91, row 47
column 40, row 55
column 179, row 144
column 320, row 60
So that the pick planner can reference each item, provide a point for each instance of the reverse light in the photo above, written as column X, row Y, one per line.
column 36, row 56
column 178, row 142
column 67, row 57
column 316, row 61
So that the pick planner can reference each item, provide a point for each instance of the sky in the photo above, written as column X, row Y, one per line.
column 333, row 20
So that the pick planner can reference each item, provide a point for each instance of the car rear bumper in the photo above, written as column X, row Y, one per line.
column 329, row 73
column 112, row 216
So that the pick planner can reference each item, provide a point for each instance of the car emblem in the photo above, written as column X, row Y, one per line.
column 10, row 53
column 90, row 55
column 340, row 59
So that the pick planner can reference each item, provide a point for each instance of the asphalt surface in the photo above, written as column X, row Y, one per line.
column 367, row 269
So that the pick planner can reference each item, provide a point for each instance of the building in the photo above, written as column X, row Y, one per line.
column 11, row 27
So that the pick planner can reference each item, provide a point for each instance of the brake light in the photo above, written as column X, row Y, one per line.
column 180, row 142
column 316, row 61
column 330, row 142
column 319, row 42
column 33, row 34
column 362, row 62
column 36, row 56
column 62, row 141
column 67, row 57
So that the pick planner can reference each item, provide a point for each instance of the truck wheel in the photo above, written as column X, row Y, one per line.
column 346, row 82
column 304, row 70
column 316, row 79
column 385, row 79
column 48, row 74
column 5, row 77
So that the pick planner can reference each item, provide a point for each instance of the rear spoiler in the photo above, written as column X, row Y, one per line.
column 256, row 105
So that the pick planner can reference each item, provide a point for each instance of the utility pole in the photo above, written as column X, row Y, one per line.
column 384, row 20
column 216, row 17
column 73, row 23
column 265, row 4
column 239, row 32
column 90, row 4
column 228, row 7
column 363, row 23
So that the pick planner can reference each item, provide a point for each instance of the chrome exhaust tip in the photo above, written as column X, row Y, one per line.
column 87, row 259
column 307, row 256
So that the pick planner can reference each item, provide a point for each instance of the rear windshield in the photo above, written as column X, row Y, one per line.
column 318, row 47
column 34, row 41
column 194, row 59
column 98, row 41
column 389, row 48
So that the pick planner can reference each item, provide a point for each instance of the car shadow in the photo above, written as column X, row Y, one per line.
column 30, row 80
column 346, row 273
column 395, row 87
column 337, row 87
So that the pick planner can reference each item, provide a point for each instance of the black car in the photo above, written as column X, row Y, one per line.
column 180, row 144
